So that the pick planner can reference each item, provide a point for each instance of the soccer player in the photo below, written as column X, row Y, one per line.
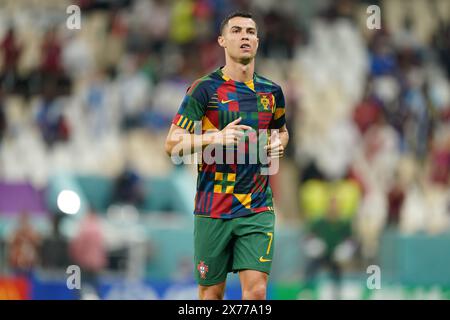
column 234, row 216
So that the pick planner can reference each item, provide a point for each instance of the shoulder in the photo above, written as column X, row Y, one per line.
column 268, row 82
column 204, row 83
column 202, row 88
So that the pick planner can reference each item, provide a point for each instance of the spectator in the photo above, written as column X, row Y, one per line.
column 51, row 120
column 379, row 154
column 51, row 72
column 370, row 222
column 23, row 253
column 88, row 251
column 11, row 51
column 129, row 188
column 135, row 91
column 51, row 54
column 55, row 250
column 440, row 160
column 154, row 16
column 96, row 101
column 280, row 36
column 329, row 245
column 396, row 196
column 182, row 27
column 367, row 112
column 383, row 60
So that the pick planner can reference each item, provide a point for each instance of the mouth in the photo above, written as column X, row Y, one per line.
column 245, row 46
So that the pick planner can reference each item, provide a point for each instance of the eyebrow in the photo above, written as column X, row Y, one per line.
column 239, row 27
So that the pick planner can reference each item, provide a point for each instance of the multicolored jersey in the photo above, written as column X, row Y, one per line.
column 230, row 190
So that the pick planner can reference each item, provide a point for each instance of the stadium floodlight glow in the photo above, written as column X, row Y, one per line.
column 68, row 202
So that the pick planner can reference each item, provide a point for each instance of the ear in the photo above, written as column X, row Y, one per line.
column 221, row 41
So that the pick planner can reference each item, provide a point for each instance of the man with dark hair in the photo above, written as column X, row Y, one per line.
column 225, row 21
column 224, row 110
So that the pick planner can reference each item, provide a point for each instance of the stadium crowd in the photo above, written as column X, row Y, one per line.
column 368, row 110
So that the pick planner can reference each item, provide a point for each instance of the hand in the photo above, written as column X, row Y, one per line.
column 231, row 134
column 275, row 149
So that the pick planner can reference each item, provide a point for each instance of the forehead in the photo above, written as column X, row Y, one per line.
column 241, row 22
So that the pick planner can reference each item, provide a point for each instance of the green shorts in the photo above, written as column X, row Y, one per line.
column 230, row 245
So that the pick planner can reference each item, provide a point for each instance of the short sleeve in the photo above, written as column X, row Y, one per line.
column 193, row 107
column 278, row 119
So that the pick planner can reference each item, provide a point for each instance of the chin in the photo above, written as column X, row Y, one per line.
column 245, row 61
column 246, row 58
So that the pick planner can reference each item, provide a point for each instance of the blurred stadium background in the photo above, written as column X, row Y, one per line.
column 88, row 111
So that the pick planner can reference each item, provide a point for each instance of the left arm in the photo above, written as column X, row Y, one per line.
column 278, row 142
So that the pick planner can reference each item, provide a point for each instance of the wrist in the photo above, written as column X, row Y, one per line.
column 214, row 138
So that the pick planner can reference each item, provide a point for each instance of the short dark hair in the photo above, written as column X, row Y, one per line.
column 234, row 14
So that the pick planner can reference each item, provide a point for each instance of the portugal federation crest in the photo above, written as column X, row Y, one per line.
column 266, row 99
column 203, row 269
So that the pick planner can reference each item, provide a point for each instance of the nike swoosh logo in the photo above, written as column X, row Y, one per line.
column 226, row 101
column 261, row 259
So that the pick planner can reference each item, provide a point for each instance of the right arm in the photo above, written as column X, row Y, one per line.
column 181, row 142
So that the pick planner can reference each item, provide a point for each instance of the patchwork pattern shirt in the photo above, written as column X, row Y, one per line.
column 229, row 189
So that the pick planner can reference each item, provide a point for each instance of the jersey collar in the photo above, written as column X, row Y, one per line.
column 249, row 83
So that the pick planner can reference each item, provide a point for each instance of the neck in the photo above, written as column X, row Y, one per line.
column 238, row 71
